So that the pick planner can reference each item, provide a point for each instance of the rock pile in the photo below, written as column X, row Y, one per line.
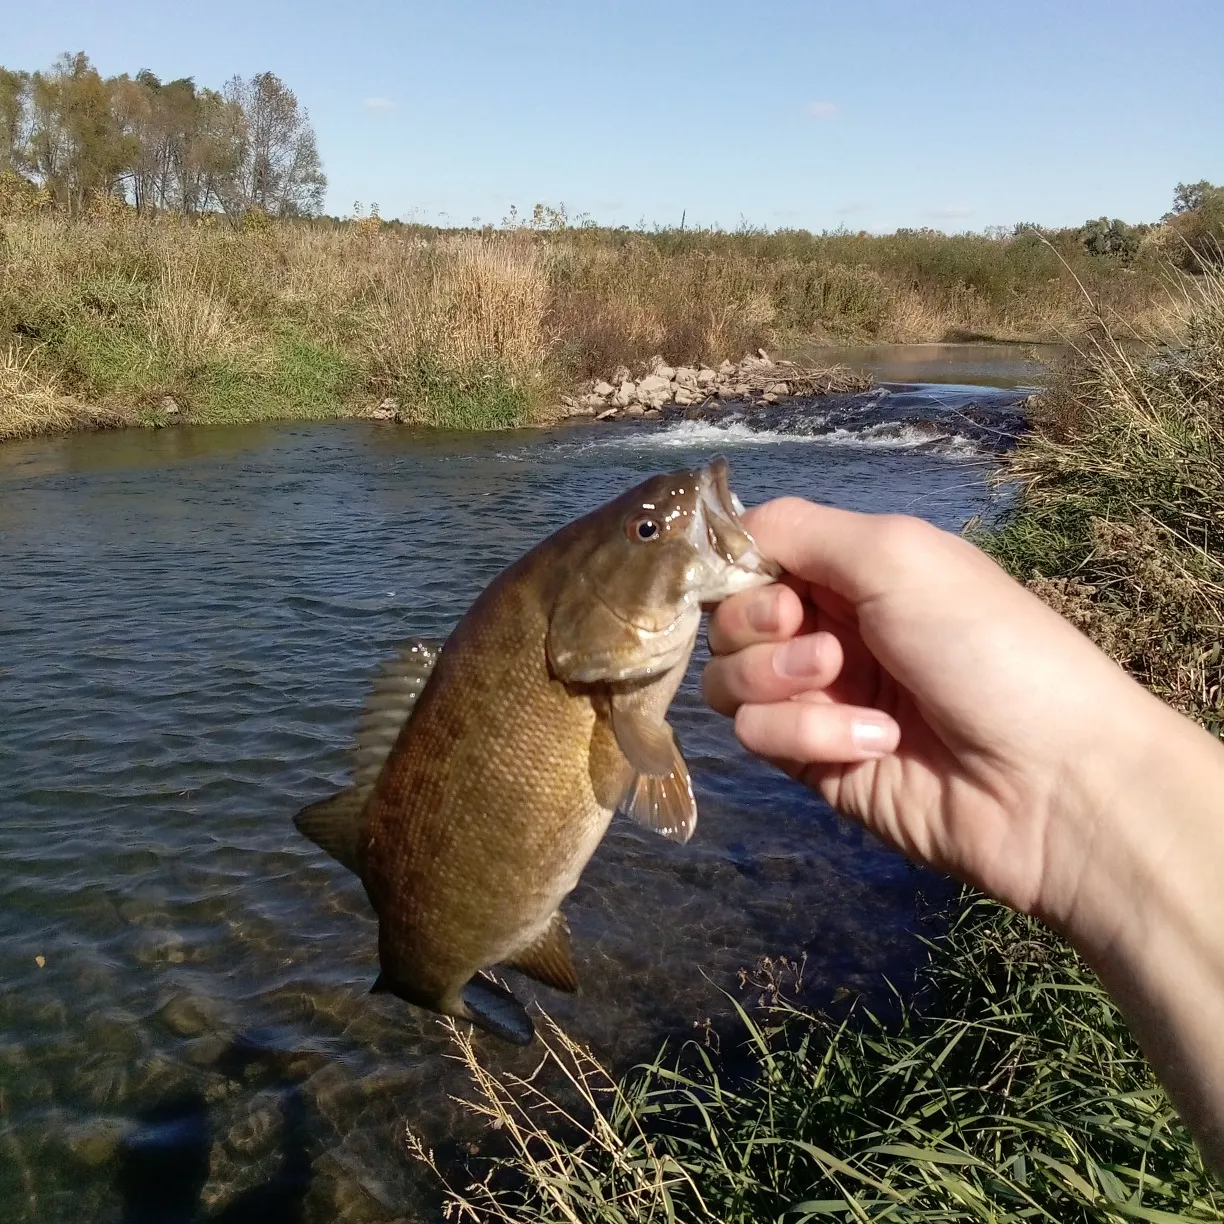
column 755, row 378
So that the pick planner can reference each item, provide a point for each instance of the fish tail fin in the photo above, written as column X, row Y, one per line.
column 335, row 825
column 494, row 1008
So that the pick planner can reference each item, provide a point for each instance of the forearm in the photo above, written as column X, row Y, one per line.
column 1147, row 909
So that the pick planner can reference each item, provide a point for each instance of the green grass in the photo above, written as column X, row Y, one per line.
column 1013, row 1092
column 304, row 381
column 443, row 397
column 1119, row 524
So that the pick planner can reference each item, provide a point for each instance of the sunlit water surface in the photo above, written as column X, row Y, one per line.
column 188, row 619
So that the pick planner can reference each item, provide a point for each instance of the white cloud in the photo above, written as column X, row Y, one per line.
column 379, row 104
column 852, row 209
column 822, row 110
column 957, row 212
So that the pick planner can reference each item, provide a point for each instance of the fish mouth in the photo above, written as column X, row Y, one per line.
column 735, row 563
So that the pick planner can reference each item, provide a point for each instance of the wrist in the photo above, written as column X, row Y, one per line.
column 1138, row 890
column 1137, row 842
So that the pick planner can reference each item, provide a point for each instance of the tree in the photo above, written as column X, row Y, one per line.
column 1197, row 223
column 14, row 88
column 1111, row 238
column 279, row 172
column 159, row 145
column 76, row 147
column 1191, row 196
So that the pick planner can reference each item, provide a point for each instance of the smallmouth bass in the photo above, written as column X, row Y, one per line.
column 488, row 768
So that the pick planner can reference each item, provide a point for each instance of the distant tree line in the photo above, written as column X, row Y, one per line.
column 1194, row 230
column 159, row 146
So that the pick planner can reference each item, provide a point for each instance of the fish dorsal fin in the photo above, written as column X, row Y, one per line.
column 397, row 685
column 335, row 825
column 665, row 804
column 550, row 959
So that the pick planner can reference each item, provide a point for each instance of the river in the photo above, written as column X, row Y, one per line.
column 188, row 619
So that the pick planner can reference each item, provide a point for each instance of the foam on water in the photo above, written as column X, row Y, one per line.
column 736, row 435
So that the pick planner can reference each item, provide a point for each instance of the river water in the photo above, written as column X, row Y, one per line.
column 187, row 622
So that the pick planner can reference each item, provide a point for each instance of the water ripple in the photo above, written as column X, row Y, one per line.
column 187, row 623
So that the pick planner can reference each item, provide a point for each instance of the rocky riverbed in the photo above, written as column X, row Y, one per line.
column 661, row 390
column 756, row 378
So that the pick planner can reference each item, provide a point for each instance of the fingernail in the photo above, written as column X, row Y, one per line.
column 800, row 658
column 763, row 613
column 874, row 738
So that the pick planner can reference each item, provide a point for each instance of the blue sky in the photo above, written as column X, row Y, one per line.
column 872, row 114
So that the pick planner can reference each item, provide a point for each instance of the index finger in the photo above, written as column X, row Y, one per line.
column 857, row 556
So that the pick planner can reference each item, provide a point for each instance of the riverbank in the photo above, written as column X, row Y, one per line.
column 123, row 320
column 1012, row 1089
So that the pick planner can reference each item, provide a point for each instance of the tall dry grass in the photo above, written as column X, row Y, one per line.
column 299, row 319
column 290, row 321
column 459, row 331
column 32, row 404
column 1121, row 519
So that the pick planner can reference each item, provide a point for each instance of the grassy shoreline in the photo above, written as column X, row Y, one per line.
column 114, row 319
column 1012, row 1090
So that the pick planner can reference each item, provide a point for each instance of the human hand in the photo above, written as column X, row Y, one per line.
column 922, row 691
column 906, row 677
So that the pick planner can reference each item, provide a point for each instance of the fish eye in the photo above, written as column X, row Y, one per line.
column 644, row 528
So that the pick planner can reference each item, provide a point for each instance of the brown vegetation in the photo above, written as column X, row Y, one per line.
column 1121, row 524
column 303, row 319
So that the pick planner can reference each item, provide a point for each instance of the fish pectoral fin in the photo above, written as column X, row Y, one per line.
column 550, row 959
column 494, row 1008
column 336, row 824
column 398, row 683
column 664, row 804
column 647, row 743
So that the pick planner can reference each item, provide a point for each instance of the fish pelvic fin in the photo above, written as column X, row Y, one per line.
column 495, row 1009
column 648, row 743
column 336, row 825
column 665, row 804
column 550, row 959
column 398, row 682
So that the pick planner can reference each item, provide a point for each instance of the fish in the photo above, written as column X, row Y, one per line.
column 488, row 768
